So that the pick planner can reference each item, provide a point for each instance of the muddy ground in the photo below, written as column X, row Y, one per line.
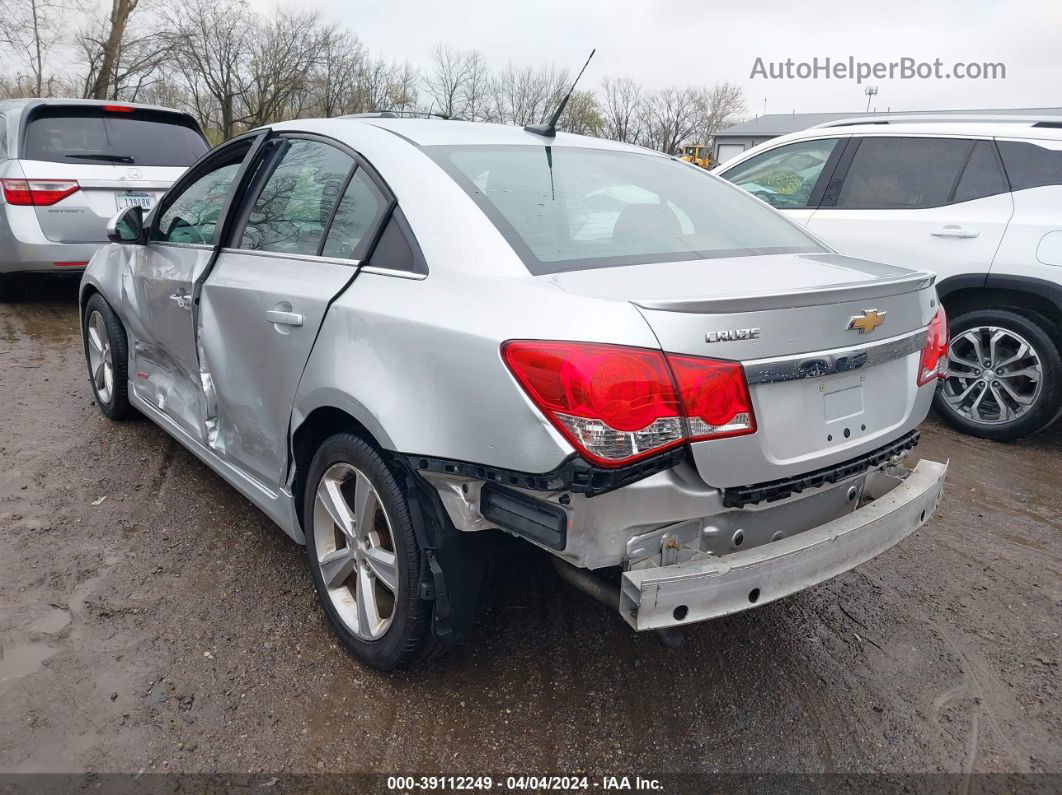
column 151, row 619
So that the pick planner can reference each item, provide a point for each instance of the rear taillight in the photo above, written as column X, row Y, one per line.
column 715, row 396
column 37, row 192
column 619, row 404
column 117, row 109
column 934, row 362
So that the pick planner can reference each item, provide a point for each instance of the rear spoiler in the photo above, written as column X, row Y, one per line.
column 816, row 296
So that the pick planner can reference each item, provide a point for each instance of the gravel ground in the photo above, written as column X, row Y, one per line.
column 152, row 620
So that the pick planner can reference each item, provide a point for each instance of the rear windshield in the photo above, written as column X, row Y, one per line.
column 573, row 208
column 93, row 135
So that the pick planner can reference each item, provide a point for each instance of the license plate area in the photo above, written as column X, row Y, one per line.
column 134, row 199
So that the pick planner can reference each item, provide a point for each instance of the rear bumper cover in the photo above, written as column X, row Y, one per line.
column 667, row 596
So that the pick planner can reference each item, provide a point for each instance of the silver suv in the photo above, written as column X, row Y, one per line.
column 67, row 165
column 397, row 337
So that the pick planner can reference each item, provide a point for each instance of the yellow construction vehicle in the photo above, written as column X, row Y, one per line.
column 698, row 154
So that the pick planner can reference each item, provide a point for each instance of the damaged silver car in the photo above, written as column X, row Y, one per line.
column 398, row 337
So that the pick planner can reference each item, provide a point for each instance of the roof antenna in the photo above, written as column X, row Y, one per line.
column 549, row 129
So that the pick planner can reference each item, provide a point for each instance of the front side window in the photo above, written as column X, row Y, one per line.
column 571, row 208
column 192, row 217
column 292, row 211
column 784, row 177
column 903, row 173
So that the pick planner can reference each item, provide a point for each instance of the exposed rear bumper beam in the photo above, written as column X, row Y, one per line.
column 708, row 588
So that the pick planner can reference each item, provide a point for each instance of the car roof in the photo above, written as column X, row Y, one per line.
column 1001, row 129
column 443, row 132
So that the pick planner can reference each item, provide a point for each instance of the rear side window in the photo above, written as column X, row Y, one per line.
column 903, row 173
column 93, row 135
column 356, row 217
column 982, row 175
column 784, row 177
column 397, row 249
column 291, row 213
column 1029, row 165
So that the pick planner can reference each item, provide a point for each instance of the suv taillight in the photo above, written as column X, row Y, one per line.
column 37, row 192
column 617, row 404
column 934, row 362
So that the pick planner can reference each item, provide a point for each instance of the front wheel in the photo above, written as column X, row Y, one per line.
column 1004, row 377
column 107, row 355
column 364, row 555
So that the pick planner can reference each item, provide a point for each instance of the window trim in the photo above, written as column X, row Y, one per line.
column 843, row 168
column 231, row 242
column 207, row 163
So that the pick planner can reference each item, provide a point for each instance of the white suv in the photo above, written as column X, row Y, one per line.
column 978, row 201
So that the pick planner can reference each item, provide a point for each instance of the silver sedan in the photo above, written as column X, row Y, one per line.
column 401, row 338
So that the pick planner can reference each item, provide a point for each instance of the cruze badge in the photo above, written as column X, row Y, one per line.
column 731, row 335
column 867, row 322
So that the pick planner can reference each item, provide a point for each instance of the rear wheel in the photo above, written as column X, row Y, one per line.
column 107, row 355
column 1004, row 378
column 364, row 555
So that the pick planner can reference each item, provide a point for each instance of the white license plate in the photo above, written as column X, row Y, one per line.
column 123, row 200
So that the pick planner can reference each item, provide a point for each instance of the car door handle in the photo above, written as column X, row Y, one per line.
column 182, row 299
column 282, row 318
column 954, row 230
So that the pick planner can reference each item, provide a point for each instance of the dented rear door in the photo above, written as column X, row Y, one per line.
column 308, row 223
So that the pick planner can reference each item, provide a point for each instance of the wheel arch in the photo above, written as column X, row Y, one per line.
column 962, row 294
column 311, row 430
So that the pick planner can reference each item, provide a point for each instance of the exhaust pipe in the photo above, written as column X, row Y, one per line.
column 609, row 595
column 605, row 592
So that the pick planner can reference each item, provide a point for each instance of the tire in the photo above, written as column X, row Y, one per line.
column 107, row 355
column 1024, row 393
column 383, row 552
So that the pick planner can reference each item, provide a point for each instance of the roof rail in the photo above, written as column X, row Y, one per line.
column 927, row 118
column 394, row 114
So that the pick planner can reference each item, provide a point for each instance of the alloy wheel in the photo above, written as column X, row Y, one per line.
column 355, row 551
column 101, row 361
column 994, row 375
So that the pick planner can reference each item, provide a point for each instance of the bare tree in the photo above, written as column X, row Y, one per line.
column 30, row 31
column 622, row 110
column 674, row 116
column 134, row 64
column 724, row 103
column 280, row 55
column 447, row 80
column 211, row 42
column 111, row 46
column 525, row 96
column 338, row 70
column 477, row 94
column 582, row 115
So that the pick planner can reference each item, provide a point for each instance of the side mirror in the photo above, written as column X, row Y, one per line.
column 127, row 226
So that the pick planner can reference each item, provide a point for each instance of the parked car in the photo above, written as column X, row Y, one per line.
column 66, row 166
column 396, row 336
column 978, row 202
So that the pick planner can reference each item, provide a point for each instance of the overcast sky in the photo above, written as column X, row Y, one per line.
column 680, row 42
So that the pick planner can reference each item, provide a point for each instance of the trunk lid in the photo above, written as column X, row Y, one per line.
column 822, row 392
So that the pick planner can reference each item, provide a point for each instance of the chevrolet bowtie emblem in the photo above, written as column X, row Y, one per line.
column 867, row 322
